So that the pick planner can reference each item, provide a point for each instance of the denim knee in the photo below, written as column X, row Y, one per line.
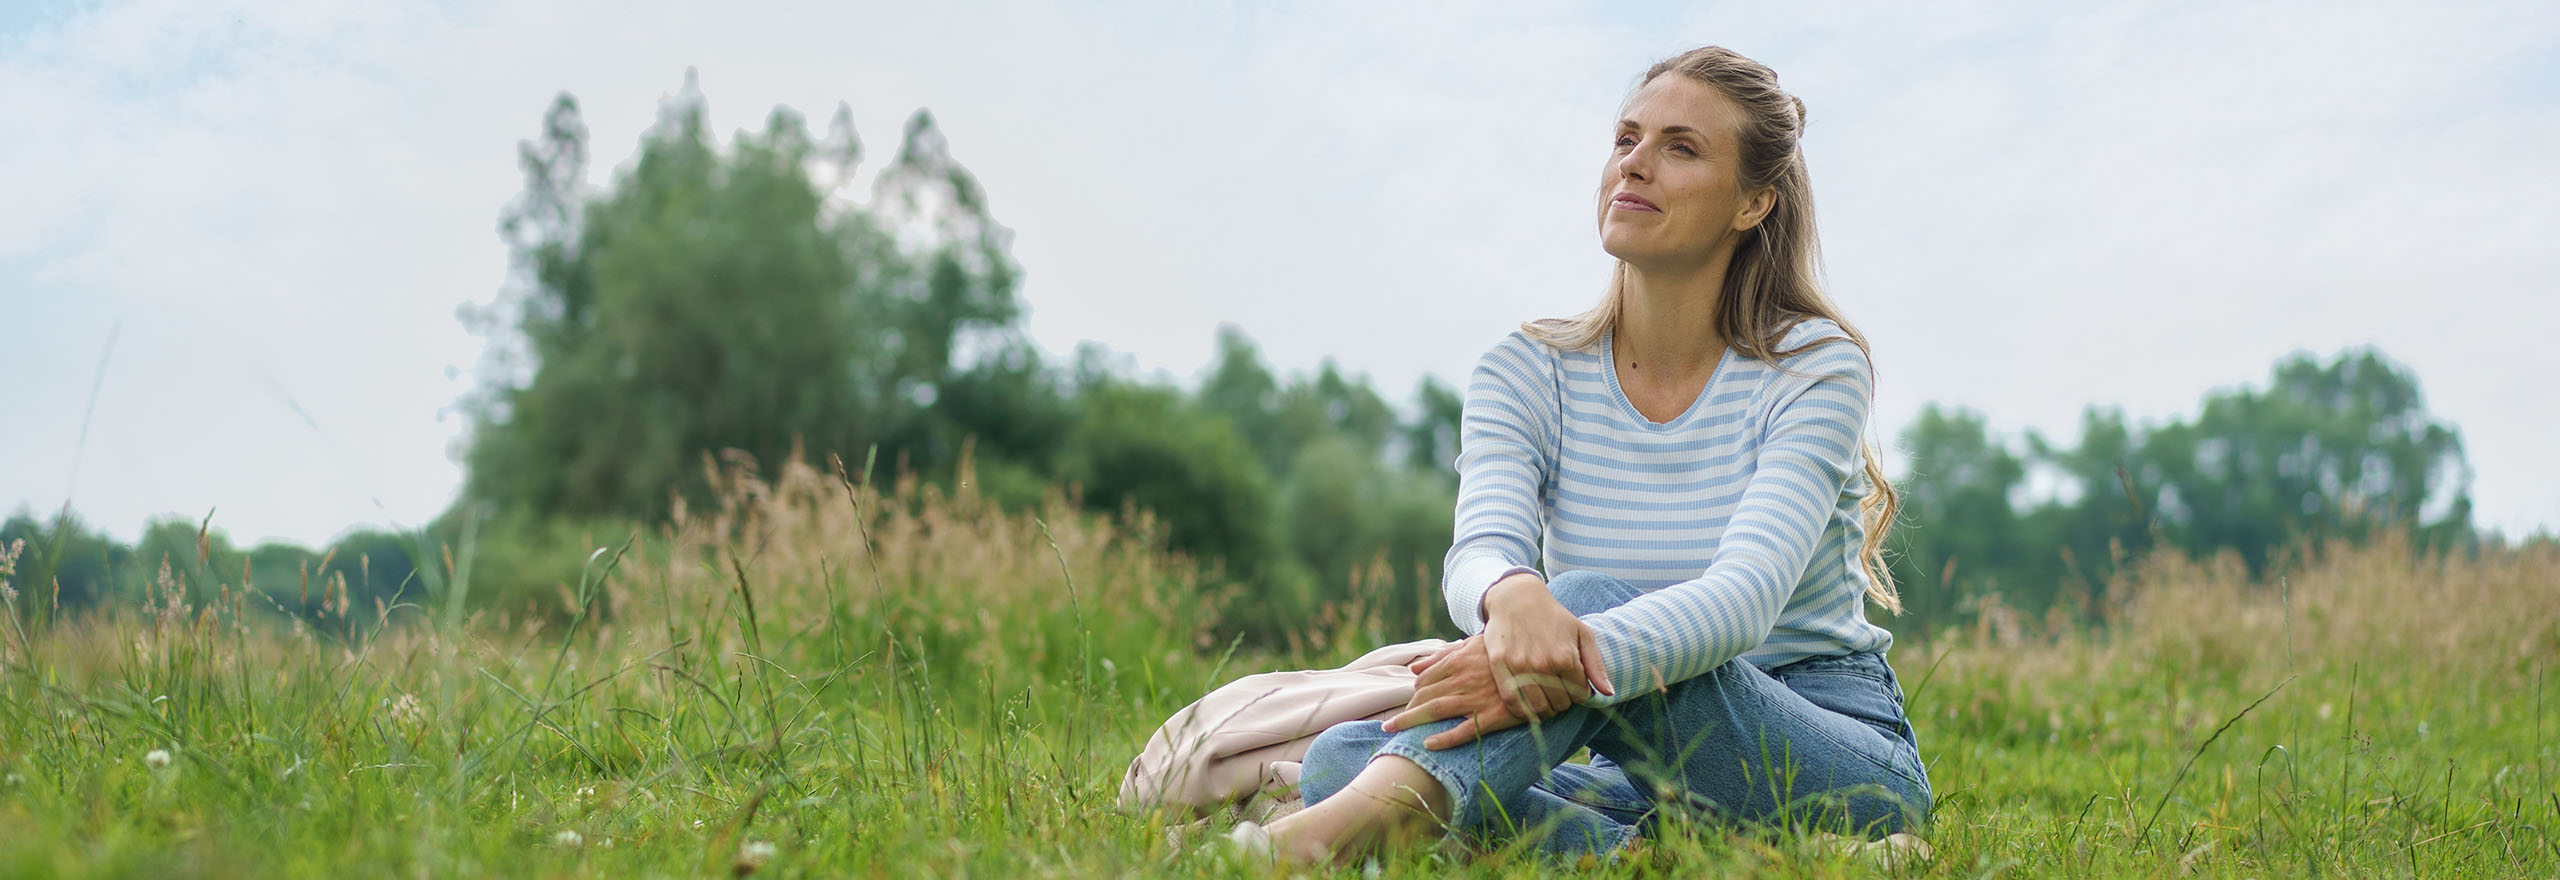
column 1337, row 755
column 1590, row 592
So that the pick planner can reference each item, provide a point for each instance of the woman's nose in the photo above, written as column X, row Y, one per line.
column 1628, row 166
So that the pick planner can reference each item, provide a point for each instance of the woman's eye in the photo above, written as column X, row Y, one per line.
column 1626, row 140
column 1684, row 148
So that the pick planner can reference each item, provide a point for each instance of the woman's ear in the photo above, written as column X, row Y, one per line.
column 1757, row 209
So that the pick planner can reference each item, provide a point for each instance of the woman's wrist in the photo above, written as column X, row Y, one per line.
column 1511, row 592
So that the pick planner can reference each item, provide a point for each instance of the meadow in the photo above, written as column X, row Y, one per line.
column 822, row 677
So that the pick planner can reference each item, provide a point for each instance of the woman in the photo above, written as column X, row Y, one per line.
column 1692, row 454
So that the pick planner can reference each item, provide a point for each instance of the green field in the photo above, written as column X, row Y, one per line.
column 822, row 680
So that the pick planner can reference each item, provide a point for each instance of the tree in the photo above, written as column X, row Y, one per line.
column 1959, row 535
column 64, row 560
column 1241, row 388
column 715, row 300
column 1146, row 448
column 2335, row 450
column 1431, row 440
column 2099, row 520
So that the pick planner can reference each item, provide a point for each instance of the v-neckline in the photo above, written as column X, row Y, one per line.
column 1609, row 368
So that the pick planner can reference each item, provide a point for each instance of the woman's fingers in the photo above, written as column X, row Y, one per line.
column 1460, row 735
column 1518, row 690
column 1425, row 695
column 1494, row 720
column 1559, row 698
column 1424, row 665
column 1418, row 714
column 1592, row 668
column 1449, row 661
column 1533, row 682
column 1542, row 689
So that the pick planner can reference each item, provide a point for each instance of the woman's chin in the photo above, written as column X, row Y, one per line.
column 1628, row 252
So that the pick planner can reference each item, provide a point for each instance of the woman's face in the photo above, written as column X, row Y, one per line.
column 1671, row 195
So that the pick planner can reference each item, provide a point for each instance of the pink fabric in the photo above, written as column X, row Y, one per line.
column 1248, row 737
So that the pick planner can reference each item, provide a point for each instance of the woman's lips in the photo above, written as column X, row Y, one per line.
column 1632, row 202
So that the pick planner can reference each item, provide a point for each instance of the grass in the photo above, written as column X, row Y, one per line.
column 829, row 679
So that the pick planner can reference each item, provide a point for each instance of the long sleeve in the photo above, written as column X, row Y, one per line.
column 1506, row 448
column 1809, row 451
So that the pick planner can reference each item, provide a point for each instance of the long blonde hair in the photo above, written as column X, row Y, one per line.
column 1773, row 281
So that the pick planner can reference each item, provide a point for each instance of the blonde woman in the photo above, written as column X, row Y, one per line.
column 1691, row 456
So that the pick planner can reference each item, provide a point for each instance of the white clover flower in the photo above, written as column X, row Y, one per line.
column 753, row 854
column 697, row 824
column 567, row 839
column 16, row 780
column 156, row 758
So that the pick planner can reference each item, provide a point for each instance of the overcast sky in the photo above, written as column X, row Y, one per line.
column 2029, row 207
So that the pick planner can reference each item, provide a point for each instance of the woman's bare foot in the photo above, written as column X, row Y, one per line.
column 1392, row 802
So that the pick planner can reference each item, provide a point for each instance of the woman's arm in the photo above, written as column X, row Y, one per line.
column 1529, row 664
column 1506, row 448
column 1809, row 451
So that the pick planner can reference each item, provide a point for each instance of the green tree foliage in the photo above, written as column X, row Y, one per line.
column 191, row 561
column 2335, row 449
column 2101, row 519
column 65, row 566
column 714, row 300
column 1431, row 440
column 1242, row 389
column 1140, row 447
column 1957, row 516
column 717, row 299
column 1301, row 486
column 2328, row 450
column 1334, row 511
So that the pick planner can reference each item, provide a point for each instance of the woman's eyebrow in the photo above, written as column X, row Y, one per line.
column 1668, row 129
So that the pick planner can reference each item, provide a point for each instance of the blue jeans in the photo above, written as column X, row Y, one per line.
column 1821, row 743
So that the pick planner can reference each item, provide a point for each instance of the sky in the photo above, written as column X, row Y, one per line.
column 234, row 234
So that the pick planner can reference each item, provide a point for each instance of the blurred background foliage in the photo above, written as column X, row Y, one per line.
column 716, row 307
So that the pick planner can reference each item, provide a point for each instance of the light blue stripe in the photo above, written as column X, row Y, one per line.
column 1651, row 487
column 1568, row 493
column 1604, row 540
column 1707, row 528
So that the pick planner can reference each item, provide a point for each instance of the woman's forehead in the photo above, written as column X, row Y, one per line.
column 1673, row 100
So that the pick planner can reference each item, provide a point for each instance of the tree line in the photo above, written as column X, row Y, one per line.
column 740, row 300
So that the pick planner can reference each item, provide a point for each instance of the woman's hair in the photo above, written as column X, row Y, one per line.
column 1773, row 280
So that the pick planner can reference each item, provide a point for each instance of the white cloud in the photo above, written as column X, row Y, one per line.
column 2029, row 209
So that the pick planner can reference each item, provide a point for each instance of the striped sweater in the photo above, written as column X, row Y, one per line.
column 1739, row 517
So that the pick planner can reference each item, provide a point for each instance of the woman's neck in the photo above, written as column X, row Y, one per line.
column 1667, row 321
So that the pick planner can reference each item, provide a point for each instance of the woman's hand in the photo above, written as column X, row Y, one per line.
column 1544, row 659
column 1534, row 660
column 1457, row 683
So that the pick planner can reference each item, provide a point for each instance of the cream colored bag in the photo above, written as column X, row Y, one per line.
column 1240, row 746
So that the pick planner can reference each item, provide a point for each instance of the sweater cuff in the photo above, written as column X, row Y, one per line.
column 1469, row 581
column 1627, row 667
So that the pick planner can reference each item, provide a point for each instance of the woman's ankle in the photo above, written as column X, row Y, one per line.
column 1398, row 780
column 1317, row 834
column 1392, row 803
